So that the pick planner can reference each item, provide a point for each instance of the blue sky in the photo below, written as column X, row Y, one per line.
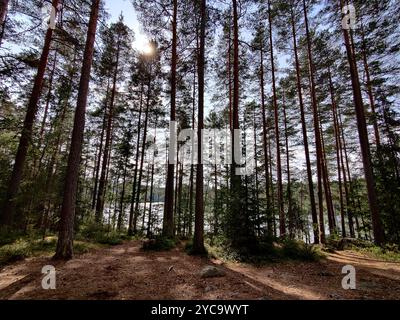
column 115, row 7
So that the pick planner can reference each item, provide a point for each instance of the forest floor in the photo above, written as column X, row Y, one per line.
column 127, row 272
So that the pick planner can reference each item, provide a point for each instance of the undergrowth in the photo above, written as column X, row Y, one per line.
column 265, row 251
column 159, row 243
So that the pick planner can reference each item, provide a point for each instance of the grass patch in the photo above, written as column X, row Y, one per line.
column 389, row 253
column 13, row 252
column 28, row 246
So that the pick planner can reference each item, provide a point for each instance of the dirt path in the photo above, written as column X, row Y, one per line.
column 125, row 272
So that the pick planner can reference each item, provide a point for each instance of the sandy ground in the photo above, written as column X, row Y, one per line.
column 125, row 272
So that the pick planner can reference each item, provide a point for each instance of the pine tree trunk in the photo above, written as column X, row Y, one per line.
column 314, row 215
column 100, row 154
column 289, row 185
column 146, row 121
column 134, row 185
column 346, row 173
column 265, row 133
column 256, row 182
column 168, row 222
column 149, row 224
column 337, row 145
column 198, row 239
column 363, row 136
column 327, row 187
column 316, row 126
column 121, row 201
column 191, row 178
column 282, row 220
column 48, row 100
column 370, row 90
column 3, row 15
column 108, row 145
column 65, row 239
column 26, row 134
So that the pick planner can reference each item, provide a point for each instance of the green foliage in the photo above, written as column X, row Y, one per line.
column 100, row 234
column 159, row 244
column 389, row 252
column 266, row 251
column 297, row 250
column 16, row 251
column 28, row 246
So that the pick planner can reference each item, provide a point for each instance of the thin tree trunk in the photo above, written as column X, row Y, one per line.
column 289, row 186
column 100, row 154
column 314, row 215
column 282, row 220
column 3, row 15
column 149, row 224
column 316, row 125
column 337, row 145
column 168, row 222
column 146, row 121
column 370, row 90
column 265, row 133
column 107, row 146
column 198, row 239
column 121, row 201
column 346, row 173
column 134, row 185
column 48, row 100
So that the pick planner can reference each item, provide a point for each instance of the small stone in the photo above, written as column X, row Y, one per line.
column 212, row 272
column 209, row 288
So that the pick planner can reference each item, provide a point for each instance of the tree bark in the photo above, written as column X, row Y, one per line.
column 282, row 220
column 314, row 214
column 65, row 239
column 316, row 126
column 363, row 136
column 168, row 222
column 3, row 15
column 134, row 185
column 144, row 138
column 289, row 185
column 107, row 146
column 98, row 164
column 337, row 146
column 198, row 239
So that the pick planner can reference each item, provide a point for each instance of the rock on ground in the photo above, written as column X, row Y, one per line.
column 212, row 272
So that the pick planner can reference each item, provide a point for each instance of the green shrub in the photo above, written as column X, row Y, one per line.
column 111, row 238
column 48, row 244
column 297, row 250
column 8, row 237
column 159, row 244
column 99, row 233
column 14, row 252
